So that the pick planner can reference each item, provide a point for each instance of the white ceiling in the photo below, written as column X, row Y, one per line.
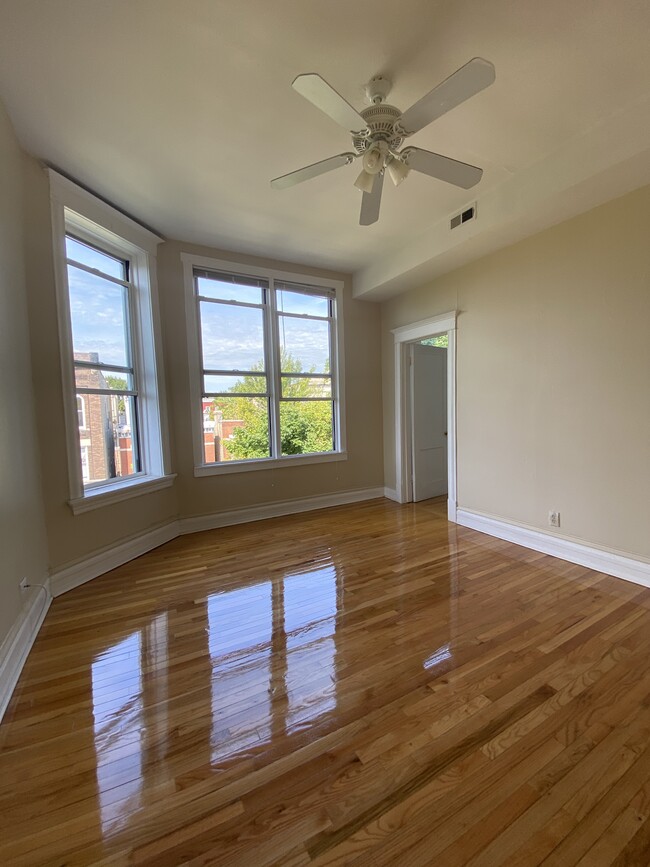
column 181, row 111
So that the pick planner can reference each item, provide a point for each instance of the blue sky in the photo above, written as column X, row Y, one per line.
column 232, row 336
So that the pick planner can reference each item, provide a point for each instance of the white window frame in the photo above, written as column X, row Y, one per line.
column 192, row 261
column 78, row 212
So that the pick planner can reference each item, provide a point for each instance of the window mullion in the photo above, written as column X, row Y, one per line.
column 274, row 370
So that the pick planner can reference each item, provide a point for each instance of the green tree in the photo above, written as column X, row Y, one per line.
column 442, row 340
column 304, row 427
column 119, row 384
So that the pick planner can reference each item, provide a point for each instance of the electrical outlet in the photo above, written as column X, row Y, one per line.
column 554, row 519
column 24, row 584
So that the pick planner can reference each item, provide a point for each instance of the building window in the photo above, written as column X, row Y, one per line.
column 265, row 372
column 105, row 284
column 81, row 412
column 85, row 462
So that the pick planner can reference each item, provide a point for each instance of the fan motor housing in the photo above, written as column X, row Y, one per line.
column 381, row 120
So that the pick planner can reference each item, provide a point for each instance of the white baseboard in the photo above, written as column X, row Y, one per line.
column 18, row 643
column 391, row 494
column 599, row 559
column 276, row 510
column 69, row 577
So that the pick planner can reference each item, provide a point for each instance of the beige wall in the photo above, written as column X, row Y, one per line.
column 22, row 532
column 71, row 537
column 553, row 376
column 200, row 496
column 74, row 537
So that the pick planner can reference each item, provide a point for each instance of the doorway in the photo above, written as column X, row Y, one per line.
column 428, row 399
column 415, row 457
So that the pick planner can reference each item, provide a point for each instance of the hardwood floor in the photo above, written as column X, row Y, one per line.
column 362, row 685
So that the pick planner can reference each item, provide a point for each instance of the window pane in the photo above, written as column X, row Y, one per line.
column 235, row 429
column 213, row 384
column 304, row 345
column 89, row 377
column 302, row 386
column 235, row 289
column 307, row 427
column 98, row 314
column 232, row 337
column 298, row 302
column 109, row 440
column 93, row 258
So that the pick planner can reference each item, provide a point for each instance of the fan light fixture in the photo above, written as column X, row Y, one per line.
column 373, row 163
column 365, row 182
column 397, row 171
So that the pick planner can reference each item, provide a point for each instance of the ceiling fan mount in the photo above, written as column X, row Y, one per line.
column 380, row 119
column 379, row 130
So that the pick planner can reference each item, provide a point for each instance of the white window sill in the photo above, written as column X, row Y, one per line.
column 267, row 463
column 105, row 495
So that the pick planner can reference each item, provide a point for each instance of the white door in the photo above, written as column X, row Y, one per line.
column 429, row 420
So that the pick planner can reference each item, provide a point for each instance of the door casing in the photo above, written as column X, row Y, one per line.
column 403, row 336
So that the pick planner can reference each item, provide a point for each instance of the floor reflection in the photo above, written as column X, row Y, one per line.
column 129, row 682
column 310, row 607
column 240, row 630
column 272, row 647
column 118, row 724
column 440, row 655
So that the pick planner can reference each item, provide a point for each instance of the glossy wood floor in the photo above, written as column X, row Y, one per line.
column 361, row 685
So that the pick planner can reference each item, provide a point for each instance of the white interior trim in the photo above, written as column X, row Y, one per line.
column 405, row 334
column 99, row 223
column 275, row 510
column 17, row 644
column 95, row 498
column 77, row 573
column 100, row 212
column 593, row 557
column 226, row 467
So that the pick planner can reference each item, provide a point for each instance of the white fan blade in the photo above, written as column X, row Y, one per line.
column 323, row 96
column 370, row 203
column 444, row 168
column 312, row 171
column 476, row 75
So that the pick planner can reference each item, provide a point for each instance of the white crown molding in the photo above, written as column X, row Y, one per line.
column 16, row 646
column 599, row 559
column 277, row 509
column 69, row 577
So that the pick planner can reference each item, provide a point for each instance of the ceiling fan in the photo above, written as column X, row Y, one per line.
column 379, row 131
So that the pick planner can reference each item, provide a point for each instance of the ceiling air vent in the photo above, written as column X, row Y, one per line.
column 463, row 216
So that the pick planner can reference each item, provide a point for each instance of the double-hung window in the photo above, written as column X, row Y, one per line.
column 106, row 379
column 110, row 358
column 265, row 353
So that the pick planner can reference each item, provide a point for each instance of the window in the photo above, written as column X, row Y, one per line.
column 81, row 412
column 105, row 286
column 266, row 360
column 100, row 312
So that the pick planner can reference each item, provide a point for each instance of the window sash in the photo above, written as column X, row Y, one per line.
column 271, row 352
column 136, row 453
column 130, row 370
